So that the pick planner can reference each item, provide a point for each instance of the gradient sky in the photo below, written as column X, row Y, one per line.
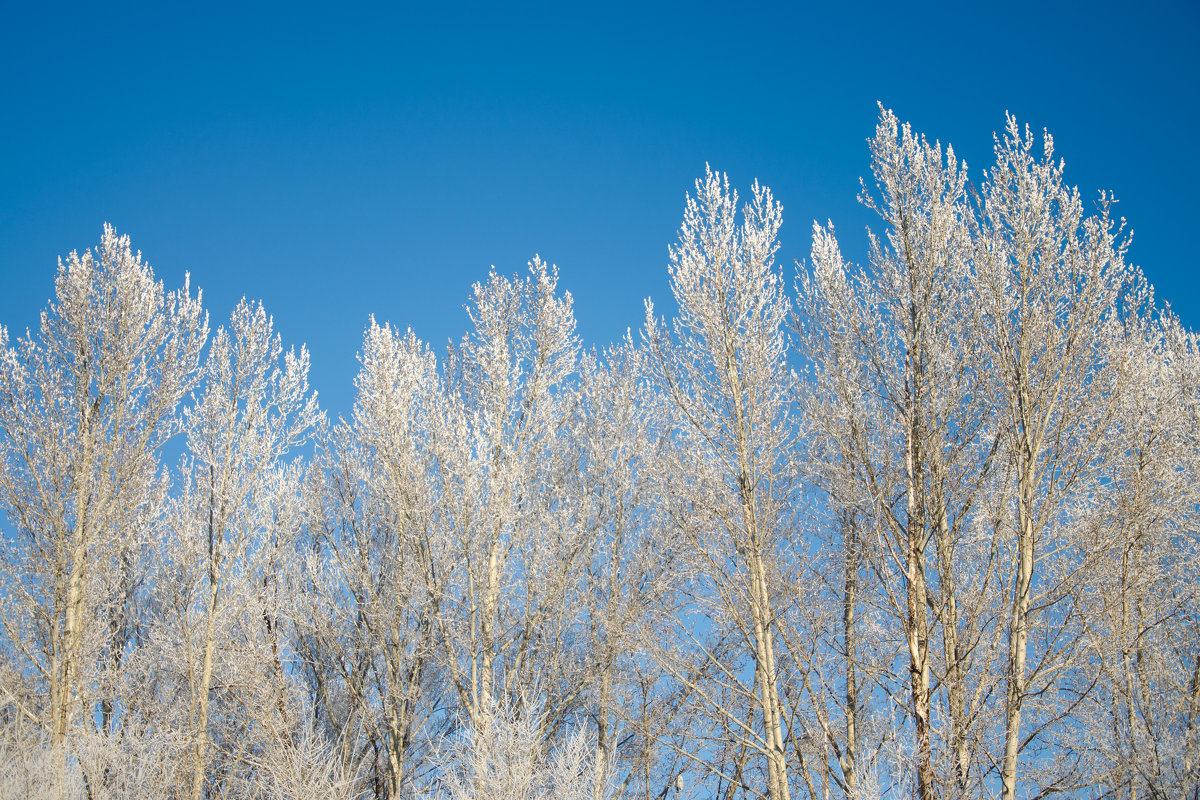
column 342, row 161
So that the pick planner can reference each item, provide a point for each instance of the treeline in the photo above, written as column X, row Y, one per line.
column 925, row 526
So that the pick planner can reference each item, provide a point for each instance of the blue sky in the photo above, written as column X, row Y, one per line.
column 341, row 161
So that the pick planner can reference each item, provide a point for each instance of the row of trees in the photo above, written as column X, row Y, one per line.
column 922, row 526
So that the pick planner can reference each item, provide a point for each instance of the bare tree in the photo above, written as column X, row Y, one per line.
column 512, row 570
column 85, row 407
column 1050, row 282
column 902, row 439
column 952, row 555
column 622, row 435
column 506, row 759
column 255, row 408
column 723, row 364
column 375, row 571
column 1139, row 738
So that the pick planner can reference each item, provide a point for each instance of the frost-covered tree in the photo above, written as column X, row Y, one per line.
column 723, row 364
column 513, row 563
column 236, row 501
column 953, row 555
column 621, row 433
column 86, row 405
column 1053, row 289
column 376, row 565
column 901, row 441
column 1139, row 734
column 444, row 537
column 505, row 759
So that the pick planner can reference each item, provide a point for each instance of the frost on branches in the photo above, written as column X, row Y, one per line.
column 925, row 525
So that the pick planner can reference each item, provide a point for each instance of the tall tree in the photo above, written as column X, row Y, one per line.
column 375, row 572
column 723, row 364
column 901, row 424
column 255, row 408
column 1051, row 283
column 85, row 408
column 621, row 434
column 1138, row 727
column 512, row 571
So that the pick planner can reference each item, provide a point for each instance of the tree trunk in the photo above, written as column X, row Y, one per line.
column 956, row 690
column 917, row 594
column 850, row 599
column 764, row 655
column 202, row 701
column 1019, row 626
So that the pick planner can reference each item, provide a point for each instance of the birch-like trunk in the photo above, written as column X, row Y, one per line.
column 398, row 714
column 762, row 619
column 917, row 593
column 62, row 692
column 202, row 700
column 955, row 680
column 64, row 677
column 918, row 652
column 1019, row 622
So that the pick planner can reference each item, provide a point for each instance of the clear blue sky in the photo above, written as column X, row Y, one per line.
column 347, row 160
